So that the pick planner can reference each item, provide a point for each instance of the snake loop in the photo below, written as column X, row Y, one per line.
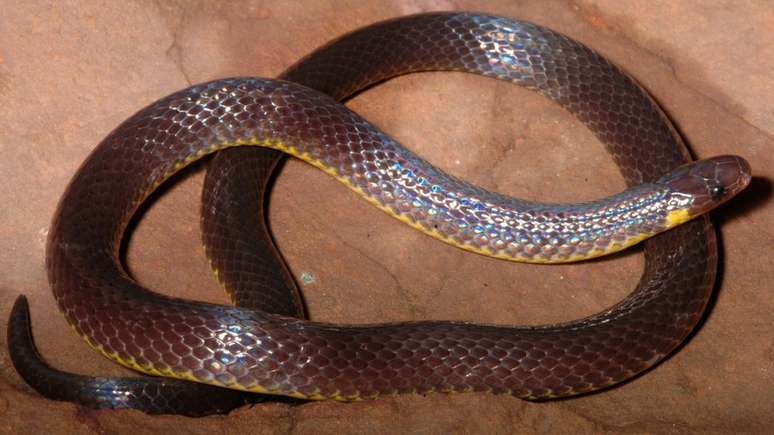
column 263, row 350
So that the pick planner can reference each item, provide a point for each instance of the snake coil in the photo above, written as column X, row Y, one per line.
column 259, row 347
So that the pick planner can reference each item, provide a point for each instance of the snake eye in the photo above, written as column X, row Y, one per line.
column 717, row 191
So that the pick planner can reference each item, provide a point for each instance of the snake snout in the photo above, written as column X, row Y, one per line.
column 733, row 172
column 710, row 182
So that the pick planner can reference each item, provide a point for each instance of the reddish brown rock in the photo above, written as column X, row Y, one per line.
column 70, row 72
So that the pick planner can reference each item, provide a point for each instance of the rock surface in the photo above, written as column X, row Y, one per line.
column 71, row 71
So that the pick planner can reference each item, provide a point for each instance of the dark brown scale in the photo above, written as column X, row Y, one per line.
column 245, row 349
column 152, row 395
column 236, row 238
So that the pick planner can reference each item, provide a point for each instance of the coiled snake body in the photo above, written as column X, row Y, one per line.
column 268, row 352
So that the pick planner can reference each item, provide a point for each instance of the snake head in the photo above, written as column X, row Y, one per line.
column 700, row 186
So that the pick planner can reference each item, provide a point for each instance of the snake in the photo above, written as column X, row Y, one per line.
column 263, row 345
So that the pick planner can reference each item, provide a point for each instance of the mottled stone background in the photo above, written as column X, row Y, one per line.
column 70, row 71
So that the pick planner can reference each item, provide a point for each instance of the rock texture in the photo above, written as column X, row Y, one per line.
column 71, row 71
